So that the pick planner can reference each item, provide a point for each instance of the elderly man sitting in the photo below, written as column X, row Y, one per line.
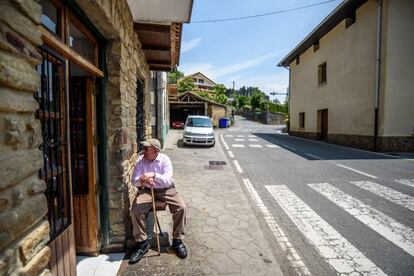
column 154, row 170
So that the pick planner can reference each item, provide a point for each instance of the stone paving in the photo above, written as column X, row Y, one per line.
column 223, row 236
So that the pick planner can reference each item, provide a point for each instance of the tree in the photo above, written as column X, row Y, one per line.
column 276, row 101
column 256, row 100
column 242, row 101
column 185, row 85
column 220, row 98
column 219, row 89
column 235, row 101
column 219, row 94
column 174, row 76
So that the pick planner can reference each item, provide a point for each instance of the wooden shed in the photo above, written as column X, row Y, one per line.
column 189, row 103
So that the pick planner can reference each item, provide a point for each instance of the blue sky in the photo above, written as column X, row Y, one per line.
column 247, row 51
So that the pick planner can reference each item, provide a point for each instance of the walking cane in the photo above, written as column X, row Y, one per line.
column 154, row 211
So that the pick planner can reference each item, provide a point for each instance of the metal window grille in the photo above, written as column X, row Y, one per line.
column 140, row 113
column 51, row 113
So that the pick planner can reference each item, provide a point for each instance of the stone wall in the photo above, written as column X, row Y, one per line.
column 125, row 62
column 216, row 112
column 24, row 233
column 384, row 144
column 263, row 117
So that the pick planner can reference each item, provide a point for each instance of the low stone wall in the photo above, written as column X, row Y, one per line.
column 384, row 144
column 354, row 141
column 263, row 117
column 24, row 232
column 303, row 134
column 396, row 144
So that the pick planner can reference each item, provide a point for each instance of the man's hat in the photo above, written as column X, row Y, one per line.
column 151, row 142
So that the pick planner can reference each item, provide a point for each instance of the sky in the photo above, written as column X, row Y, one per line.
column 247, row 51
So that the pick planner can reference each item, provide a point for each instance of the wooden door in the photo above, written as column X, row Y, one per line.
column 83, row 164
column 324, row 124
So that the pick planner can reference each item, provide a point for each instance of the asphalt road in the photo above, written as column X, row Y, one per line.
column 326, row 209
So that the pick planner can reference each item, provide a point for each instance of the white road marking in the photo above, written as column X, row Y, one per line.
column 290, row 148
column 231, row 154
column 229, row 135
column 292, row 256
column 314, row 156
column 253, row 140
column 239, row 139
column 251, row 136
column 357, row 171
column 255, row 146
column 224, row 142
column 387, row 193
column 272, row 146
column 238, row 168
column 237, row 146
column 337, row 251
column 408, row 182
column 397, row 233
column 240, row 135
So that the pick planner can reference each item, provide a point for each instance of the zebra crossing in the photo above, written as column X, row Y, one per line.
column 336, row 250
column 251, row 140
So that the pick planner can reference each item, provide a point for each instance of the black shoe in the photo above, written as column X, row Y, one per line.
column 143, row 248
column 179, row 248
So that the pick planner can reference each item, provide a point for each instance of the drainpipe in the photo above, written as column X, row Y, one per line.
column 377, row 72
column 288, row 100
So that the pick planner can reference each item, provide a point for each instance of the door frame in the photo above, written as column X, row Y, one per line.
column 58, row 42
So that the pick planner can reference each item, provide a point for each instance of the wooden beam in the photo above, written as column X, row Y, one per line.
column 140, row 27
column 159, row 68
column 159, row 62
column 68, row 53
column 156, row 48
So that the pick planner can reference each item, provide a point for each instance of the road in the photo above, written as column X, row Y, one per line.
column 326, row 209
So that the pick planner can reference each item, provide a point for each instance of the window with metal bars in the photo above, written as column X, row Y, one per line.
column 52, row 114
column 140, row 113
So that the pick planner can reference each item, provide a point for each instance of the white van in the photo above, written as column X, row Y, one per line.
column 198, row 130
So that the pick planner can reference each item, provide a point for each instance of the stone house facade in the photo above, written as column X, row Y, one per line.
column 351, row 77
column 74, row 102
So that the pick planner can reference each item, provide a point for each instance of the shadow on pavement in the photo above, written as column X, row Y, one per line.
column 180, row 144
column 323, row 150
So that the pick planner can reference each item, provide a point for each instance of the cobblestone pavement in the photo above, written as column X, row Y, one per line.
column 223, row 236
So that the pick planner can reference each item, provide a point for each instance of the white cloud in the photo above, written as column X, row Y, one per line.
column 190, row 68
column 215, row 72
column 188, row 45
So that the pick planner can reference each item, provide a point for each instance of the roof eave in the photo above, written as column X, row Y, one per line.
column 333, row 19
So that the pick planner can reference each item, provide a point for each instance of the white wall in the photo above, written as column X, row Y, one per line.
column 350, row 89
column 398, row 72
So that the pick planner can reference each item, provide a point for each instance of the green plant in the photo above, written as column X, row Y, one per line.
column 185, row 85
column 174, row 76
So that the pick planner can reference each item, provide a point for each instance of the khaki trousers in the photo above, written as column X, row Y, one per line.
column 143, row 203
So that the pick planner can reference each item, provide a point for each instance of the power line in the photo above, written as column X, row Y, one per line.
column 262, row 14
